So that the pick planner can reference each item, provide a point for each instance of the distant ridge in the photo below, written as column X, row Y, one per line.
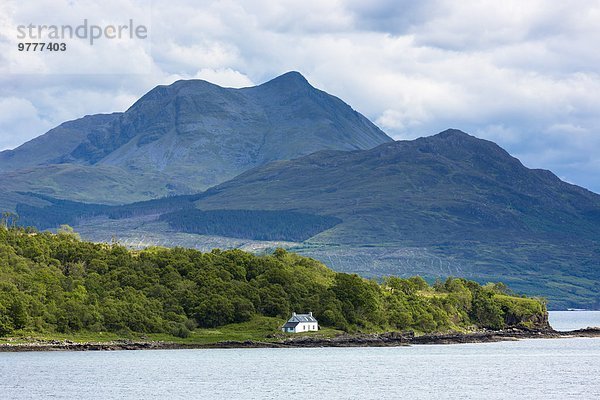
column 450, row 185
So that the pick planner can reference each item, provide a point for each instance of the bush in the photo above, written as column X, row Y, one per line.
column 486, row 312
column 181, row 331
column 6, row 327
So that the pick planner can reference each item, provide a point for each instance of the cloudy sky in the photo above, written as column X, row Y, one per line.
column 525, row 74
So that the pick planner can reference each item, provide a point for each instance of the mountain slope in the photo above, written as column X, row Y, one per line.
column 450, row 186
column 450, row 204
column 186, row 137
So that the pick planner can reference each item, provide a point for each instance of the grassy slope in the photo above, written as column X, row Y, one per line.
column 260, row 328
column 87, row 184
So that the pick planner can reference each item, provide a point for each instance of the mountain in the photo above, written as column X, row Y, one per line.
column 451, row 185
column 449, row 204
column 184, row 138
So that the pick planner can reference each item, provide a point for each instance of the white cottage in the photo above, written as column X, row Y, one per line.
column 301, row 323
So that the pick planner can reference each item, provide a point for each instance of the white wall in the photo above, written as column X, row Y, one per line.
column 306, row 327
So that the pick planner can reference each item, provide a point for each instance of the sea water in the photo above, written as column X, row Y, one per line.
column 571, row 320
column 525, row 369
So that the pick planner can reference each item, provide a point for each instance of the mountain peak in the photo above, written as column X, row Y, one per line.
column 178, row 88
column 291, row 76
column 289, row 79
column 460, row 141
column 197, row 134
column 452, row 133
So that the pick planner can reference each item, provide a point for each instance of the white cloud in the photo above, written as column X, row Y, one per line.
column 124, row 53
column 524, row 74
column 19, row 121
column 224, row 77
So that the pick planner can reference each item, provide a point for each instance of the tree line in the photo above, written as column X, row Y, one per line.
column 250, row 224
column 58, row 283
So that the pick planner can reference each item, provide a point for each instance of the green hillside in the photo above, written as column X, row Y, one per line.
column 59, row 284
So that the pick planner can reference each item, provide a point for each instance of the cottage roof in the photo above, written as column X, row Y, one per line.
column 297, row 318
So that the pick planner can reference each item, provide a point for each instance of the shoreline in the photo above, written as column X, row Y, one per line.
column 390, row 339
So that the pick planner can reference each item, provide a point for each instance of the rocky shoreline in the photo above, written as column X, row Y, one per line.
column 346, row 340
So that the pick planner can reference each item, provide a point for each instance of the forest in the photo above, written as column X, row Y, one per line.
column 250, row 224
column 58, row 283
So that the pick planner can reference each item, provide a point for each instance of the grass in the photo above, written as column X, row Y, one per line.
column 261, row 329
column 20, row 337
